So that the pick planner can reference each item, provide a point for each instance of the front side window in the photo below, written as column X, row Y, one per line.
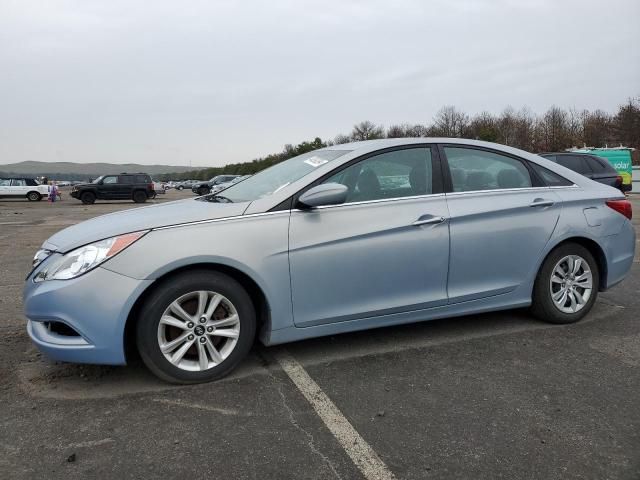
column 473, row 170
column 275, row 178
column 395, row 174
column 5, row 182
column 108, row 180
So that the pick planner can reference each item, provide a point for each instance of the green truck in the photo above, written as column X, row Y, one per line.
column 618, row 157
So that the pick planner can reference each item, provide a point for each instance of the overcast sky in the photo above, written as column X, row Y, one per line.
column 213, row 82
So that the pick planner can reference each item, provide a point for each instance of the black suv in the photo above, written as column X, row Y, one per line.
column 125, row 186
column 591, row 166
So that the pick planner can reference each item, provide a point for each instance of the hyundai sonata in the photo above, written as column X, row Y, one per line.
column 345, row 238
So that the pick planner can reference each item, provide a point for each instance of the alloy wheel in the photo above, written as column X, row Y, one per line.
column 571, row 284
column 198, row 330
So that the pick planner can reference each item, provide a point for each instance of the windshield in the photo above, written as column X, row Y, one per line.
column 272, row 179
column 97, row 180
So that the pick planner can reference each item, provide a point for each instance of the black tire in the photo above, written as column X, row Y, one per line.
column 203, row 191
column 179, row 188
column 34, row 197
column 139, row 196
column 88, row 198
column 172, row 289
column 543, row 306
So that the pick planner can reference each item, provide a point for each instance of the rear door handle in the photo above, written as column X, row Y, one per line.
column 541, row 202
column 428, row 220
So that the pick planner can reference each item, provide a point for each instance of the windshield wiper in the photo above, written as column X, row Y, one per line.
column 216, row 199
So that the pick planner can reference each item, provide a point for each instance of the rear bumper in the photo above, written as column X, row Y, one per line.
column 95, row 305
column 620, row 252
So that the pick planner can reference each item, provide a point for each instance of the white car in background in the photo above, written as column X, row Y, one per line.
column 22, row 188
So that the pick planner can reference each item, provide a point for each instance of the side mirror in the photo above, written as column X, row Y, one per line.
column 325, row 194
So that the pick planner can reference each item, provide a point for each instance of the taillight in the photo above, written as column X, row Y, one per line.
column 621, row 206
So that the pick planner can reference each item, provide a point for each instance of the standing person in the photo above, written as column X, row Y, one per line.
column 53, row 192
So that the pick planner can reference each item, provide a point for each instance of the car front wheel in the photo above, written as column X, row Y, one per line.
column 196, row 327
column 566, row 286
column 87, row 198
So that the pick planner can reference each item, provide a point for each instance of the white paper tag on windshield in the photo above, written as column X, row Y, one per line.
column 315, row 161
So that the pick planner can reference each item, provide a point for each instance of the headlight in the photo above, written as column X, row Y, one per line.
column 83, row 259
column 40, row 256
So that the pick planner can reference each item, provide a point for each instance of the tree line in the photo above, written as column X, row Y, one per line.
column 555, row 130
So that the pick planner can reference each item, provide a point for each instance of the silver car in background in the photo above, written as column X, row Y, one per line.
column 345, row 238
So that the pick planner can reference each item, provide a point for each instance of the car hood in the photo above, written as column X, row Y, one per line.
column 144, row 218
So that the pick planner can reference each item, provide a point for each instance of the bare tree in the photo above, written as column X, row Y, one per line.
column 484, row 127
column 626, row 123
column 450, row 122
column 367, row 131
column 341, row 138
column 553, row 130
column 397, row 131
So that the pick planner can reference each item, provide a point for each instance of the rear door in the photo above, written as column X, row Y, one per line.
column 501, row 220
column 384, row 251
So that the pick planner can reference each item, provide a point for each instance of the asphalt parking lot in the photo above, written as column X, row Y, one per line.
column 486, row 396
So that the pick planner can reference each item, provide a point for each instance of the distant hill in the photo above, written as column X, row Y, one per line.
column 79, row 171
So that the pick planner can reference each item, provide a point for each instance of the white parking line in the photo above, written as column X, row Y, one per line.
column 360, row 452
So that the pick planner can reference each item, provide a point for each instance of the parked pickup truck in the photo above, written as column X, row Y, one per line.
column 22, row 188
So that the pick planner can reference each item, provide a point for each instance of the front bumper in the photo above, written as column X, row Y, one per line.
column 95, row 305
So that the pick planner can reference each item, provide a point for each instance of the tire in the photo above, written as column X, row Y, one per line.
column 184, row 289
column 34, row 197
column 139, row 196
column 88, row 198
column 203, row 191
column 555, row 278
column 179, row 188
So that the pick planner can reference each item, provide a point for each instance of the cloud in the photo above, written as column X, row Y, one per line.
column 217, row 82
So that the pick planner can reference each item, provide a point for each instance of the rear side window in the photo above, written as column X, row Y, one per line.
column 551, row 179
column 576, row 163
column 600, row 165
column 142, row 179
column 473, row 170
column 129, row 179
column 18, row 182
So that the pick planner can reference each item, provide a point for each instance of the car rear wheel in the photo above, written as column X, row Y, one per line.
column 139, row 196
column 34, row 197
column 196, row 327
column 88, row 198
column 566, row 286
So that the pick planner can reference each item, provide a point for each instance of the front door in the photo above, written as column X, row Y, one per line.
column 109, row 189
column 384, row 251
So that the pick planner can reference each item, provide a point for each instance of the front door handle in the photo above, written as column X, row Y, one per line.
column 541, row 202
column 428, row 221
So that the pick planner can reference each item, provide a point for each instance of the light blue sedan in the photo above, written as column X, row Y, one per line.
column 345, row 238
